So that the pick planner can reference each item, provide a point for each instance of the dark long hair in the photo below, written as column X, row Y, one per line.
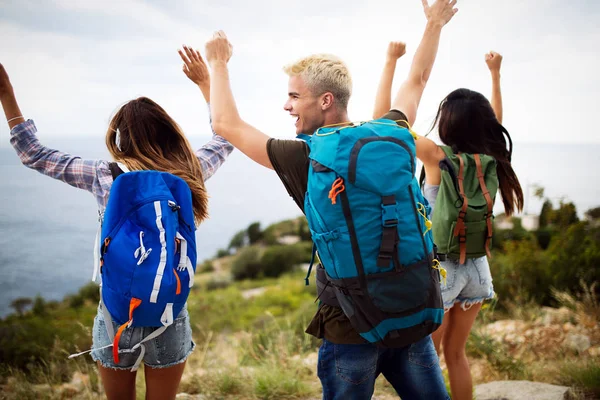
column 467, row 123
column 143, row 136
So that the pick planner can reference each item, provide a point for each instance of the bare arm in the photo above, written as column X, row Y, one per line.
column 214, row 153
column 409, row 95
column 383, row 99
column 225, row 117
column 493, row 61
column 9, row 101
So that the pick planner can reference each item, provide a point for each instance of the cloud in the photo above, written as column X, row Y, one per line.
column 74, row 62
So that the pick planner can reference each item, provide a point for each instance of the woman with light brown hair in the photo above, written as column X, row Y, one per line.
column 141, row 136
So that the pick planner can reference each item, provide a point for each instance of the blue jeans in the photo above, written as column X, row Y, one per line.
column 348, row 371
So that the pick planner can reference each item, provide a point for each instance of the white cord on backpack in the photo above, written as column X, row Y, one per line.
column 141, row 251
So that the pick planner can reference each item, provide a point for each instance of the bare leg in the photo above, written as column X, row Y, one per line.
column 118, row 384
column 439, row 334
column 454, row 342
column 162, row 383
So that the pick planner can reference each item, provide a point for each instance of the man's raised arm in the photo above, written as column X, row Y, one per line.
column 225, row 117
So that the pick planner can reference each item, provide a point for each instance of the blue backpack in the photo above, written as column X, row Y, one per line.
column 368, row 221
column 147, row 253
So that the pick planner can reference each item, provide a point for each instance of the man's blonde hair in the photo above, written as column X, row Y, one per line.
column 324, row 73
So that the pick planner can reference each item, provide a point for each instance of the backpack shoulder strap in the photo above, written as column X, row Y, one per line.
column 116, row 169
column 460, row 228
column 447, row 151
column 305, row 138
column 488, row 200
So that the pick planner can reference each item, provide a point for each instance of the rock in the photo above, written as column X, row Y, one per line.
column 594, row 351
column 80, row 380
column 576, row 342
column 508, row 331
column 185, row 396
column 68, row 390
column 250, row 293
column 518, row 390
column 556, row 315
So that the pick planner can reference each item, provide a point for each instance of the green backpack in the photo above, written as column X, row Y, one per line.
column 462, row 219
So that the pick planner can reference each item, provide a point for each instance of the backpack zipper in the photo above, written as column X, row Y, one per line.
column 133, row 209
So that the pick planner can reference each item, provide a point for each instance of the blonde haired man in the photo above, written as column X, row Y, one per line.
column 319, row 88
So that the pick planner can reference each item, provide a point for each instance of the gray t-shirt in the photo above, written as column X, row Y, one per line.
column 430, row 193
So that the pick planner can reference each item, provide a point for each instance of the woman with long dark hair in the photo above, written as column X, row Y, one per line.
column 475, row 159
column 470, row 128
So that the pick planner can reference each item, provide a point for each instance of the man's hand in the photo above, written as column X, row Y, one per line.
column 396, row 50
column 218, row 49
column 440, row 12
column 493, row 61
column 5, row 85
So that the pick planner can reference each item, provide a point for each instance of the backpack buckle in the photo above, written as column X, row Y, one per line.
column 389, row 217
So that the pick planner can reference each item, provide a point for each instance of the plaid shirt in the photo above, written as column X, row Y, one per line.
column 94, row 175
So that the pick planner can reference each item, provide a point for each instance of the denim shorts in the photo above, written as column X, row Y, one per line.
column 170, row 348
column 468, row 283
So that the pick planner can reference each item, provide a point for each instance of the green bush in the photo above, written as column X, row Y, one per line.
column 254, row 233
column 273, row 232
column 574, row 255
column 500, row 237
column 279, row 259
column 222, row 253
column 525, row 272
column 246, row 264
column 89, row 292
column 520, row 273
column 39, row 306
column 544, row 236
column 206, row 266
column 218, row 282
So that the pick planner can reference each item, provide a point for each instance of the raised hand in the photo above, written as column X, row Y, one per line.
column 195, row 69
column 218, row 48
column 440, row 12
column 396, row 50
column 5, row 85
column 493, row 61
column 194, row 66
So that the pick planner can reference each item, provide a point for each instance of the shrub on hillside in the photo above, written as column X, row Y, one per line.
column 520, row 273
column 279, row 259
column 273, row 232
column 574, row 256
column 525, row 272
column 246, row 264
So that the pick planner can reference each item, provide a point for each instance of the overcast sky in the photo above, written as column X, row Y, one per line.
column 73, row 62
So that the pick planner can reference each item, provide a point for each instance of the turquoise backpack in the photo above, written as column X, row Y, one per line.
column 368, row 220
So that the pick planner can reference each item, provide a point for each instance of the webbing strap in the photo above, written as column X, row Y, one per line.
column 460, row 229
column 489, row 201
column 388, row 251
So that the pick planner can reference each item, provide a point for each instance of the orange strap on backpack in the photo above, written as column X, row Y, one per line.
column 460, row 229
column 490, row 204
column 133, row 304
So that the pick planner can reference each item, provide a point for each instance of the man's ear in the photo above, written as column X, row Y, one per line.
column 327, row 101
